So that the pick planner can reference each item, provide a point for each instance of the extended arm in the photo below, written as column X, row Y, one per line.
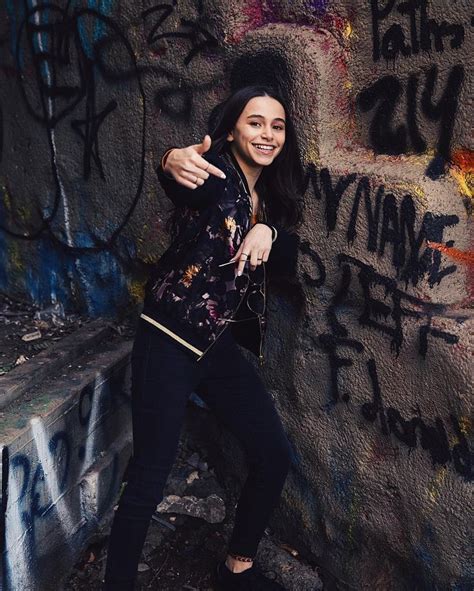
column 191, row 176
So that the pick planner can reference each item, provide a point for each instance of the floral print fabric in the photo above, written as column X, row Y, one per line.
column 187, row 282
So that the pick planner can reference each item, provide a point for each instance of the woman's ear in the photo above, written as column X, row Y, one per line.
column 230, row 137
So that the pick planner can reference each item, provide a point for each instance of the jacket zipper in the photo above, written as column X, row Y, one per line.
column 260, row 357
column 242, row 298
column 262, row 332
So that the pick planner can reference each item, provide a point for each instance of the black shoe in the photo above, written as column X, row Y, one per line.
column 251, row 579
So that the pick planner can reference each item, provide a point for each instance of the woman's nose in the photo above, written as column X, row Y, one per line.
column 267, row 133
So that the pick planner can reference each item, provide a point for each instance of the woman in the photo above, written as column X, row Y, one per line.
column 236, row 198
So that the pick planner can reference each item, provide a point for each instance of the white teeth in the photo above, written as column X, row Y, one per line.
column 261, row 147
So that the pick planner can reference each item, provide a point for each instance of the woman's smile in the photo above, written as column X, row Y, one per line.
column 264, row 149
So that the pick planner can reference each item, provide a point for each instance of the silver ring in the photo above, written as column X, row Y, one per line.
column 244, row 253
column 209, row 164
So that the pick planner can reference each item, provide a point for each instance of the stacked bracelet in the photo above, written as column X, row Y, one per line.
column 272, row 228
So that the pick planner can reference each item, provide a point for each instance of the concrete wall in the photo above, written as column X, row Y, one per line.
column 369, row 350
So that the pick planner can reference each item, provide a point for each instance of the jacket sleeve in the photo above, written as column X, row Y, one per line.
column 200, row 197
column 283, row 259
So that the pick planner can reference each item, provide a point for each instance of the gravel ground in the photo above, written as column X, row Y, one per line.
column 20, row 322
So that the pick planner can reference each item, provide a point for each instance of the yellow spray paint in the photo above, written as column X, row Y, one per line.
column 434, row 487
column 348, row 30
column 14, row 256
column 465, row 425
column 137, row 290
column 465, row 182
column 462, row 170
column 5, row 195
column 311, row 155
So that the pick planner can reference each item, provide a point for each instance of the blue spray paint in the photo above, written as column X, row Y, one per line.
column 343, row 483
column 319, row 6
column 103, row 283
column 3, row 262
column 12, row 9
column 428, row 538
column 103, row 7
column 54, row 272
column 47, row 280
column 40, row 40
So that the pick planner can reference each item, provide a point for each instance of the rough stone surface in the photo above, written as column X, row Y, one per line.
column 370, row 349
column 210, row 508
column 293, row 574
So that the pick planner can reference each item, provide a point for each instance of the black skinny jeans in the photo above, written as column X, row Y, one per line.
column 164, row 374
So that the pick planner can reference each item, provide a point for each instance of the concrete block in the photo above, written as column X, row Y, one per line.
column 65, row 446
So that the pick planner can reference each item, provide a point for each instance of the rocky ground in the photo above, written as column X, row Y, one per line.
column 188, row 535
column 26, row 331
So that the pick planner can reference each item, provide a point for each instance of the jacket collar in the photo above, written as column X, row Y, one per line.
column 236, row 165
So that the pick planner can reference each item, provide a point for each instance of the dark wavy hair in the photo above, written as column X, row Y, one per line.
column 280, row 184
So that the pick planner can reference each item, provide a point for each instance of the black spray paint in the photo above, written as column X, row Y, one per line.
column 391, row 41
column 392, row 227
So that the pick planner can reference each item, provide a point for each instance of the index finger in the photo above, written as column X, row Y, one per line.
column 210, row 168
column 241, row 265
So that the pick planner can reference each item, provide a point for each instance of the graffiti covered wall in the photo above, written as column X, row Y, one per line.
column 369, row 355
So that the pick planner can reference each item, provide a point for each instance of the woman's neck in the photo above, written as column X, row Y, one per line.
column 251, row 172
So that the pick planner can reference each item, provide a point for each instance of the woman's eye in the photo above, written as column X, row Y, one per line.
column 279, row 127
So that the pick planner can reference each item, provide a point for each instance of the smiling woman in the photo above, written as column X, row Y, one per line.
column 237, row 198
column 256, row 139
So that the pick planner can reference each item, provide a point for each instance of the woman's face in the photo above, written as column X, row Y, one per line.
column 259, row 132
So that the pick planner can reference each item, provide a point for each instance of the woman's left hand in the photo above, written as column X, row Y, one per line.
column 257, row 245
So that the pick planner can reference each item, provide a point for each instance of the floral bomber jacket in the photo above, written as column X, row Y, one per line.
column 188, row 296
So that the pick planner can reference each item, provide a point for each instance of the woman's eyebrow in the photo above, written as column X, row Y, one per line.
column 262, row 117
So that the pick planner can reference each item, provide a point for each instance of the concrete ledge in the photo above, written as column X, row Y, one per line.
column 46, row 363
